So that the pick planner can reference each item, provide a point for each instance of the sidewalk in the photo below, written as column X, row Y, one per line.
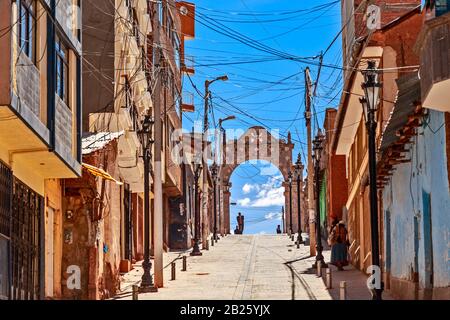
column 263, row 267
column 356, row 282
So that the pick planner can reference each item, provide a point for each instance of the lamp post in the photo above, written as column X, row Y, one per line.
column 290, row 202
column 145, row 135
column 299, row 173
column 197, row 167
column 371, row 87
column 205, row 129
column 214, row 170
column 316, row 158
column 223, row 141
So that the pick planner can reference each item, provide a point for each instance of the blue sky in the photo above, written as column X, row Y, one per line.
column 268, row 92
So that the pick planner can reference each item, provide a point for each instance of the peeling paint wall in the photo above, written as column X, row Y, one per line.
column 403, row 199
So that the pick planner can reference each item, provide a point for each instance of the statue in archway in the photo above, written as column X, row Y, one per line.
column 240, row 224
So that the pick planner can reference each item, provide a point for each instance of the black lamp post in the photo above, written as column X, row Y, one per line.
column 290, row 202
column 196, row 165
column 222, row 161
column 370, row 103
column 214, row 171
column 145, row 135
column 316, row 157
column 299, row 172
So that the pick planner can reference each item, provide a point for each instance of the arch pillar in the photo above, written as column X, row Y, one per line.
column 226, row 209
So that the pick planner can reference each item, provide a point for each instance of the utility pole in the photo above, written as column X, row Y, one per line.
column 205, row 161
column 158, row 206
column 205, row 226
column 311, row 206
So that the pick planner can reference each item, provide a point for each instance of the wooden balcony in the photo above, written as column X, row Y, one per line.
column 187, row 105
column 433, row 46
column 188, row 65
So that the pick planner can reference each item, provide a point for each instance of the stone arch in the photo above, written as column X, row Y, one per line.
column 256, row 144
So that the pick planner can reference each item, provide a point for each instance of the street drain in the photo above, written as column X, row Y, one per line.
column 202, row 274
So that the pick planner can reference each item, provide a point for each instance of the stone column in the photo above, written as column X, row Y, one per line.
column 226, row 209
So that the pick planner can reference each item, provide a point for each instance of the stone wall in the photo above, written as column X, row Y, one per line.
column 92, row 228
column 28, row 84
column 63, row 125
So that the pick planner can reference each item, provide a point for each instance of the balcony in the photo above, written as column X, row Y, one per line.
column 187, row 104
column 186, row 11
column 433, row 46
column 188, row 65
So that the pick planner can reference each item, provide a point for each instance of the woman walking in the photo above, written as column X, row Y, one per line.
column 338, row 240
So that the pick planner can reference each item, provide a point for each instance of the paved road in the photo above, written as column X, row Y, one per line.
column 241, row 267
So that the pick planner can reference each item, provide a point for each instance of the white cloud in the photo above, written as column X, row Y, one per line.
column 244, row 202
column 269, row 194
column 247, row 188
column 272, row 197
column 273, row 216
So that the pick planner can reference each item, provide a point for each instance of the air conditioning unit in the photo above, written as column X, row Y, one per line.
column 146, row 24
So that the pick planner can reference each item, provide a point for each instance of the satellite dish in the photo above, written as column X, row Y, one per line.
column 183, row 10
column 373, row 17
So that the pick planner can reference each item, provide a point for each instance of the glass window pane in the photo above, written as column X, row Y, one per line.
column 66, row 83
column 23, row 27
column 442, row 7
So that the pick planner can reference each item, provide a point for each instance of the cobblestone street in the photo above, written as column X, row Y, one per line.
column 246, row 267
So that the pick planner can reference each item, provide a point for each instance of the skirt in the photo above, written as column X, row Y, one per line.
column 339, row 254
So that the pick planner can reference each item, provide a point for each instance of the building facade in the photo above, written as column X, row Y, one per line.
column 397, row 29
column 334, row 188
column 414, row 156
column 40, row 140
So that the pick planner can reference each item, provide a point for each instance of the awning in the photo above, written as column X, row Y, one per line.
column 92, row 142
column 405, row 105
column 100, row 173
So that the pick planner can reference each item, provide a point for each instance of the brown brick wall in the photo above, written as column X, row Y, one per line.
column 336, row 167
column 93, row 229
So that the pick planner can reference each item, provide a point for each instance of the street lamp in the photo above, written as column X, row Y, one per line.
column 205, row 128
column 223, row 143
column 371, row 87
column 214, row 171
column 207, row 96
column 145, row 136
column 317, row 148
column 197, row 167
column 290, row 202
column 299, row 173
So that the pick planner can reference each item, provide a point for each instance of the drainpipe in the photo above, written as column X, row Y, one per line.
column 51, row 73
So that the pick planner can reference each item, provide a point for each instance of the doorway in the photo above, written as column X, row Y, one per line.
column 427, row 240
column 49, row 251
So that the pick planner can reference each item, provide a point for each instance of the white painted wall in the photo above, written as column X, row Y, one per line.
column 403, row 198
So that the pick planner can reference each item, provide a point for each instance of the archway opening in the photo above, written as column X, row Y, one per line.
column 257, row 192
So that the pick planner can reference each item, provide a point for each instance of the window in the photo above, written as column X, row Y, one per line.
column 62, row 70
column 160, row 13
column 172, row 138
column 27, row 21
column 178, row 103
column 176, row 47
column 442, row 7
column 169, row 25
